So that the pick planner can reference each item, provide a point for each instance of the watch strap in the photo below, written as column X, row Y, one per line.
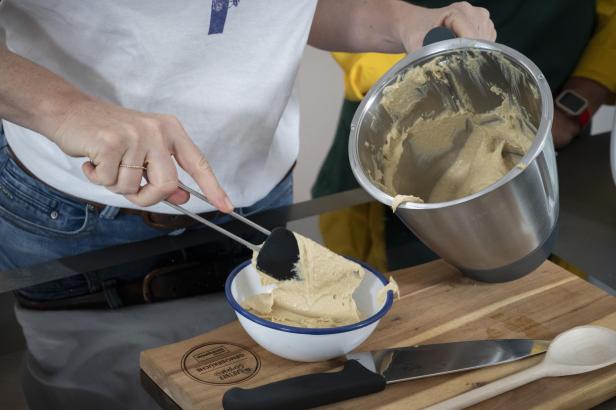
column 584, row 118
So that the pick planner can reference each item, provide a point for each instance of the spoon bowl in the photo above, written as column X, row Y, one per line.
column 582, row 348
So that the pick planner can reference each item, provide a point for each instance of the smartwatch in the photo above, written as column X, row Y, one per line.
column 574, row 105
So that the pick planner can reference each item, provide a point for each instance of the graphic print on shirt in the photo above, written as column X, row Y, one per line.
column 219, row 14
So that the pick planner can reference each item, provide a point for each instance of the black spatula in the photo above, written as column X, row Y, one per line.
column 279, row 255
column 276, row 257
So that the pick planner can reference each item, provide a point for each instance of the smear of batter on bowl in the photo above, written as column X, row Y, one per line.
column 322, row 296
column 391, row 286
column 458, row 150
column 399, row 199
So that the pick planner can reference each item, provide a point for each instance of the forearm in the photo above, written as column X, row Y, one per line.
column 596, row 93
column 109, row 135
column 565, row 127
column 358, row 25
column 391, row 26
column 33, row 96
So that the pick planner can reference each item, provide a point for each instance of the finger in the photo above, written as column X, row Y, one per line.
column 162, row 180
column 488, row 31
column 460, row 25
column 485, row 13
column 468, row 21
column 194, row 162
column 179, row 197
column 149, row 195
column 464, row 27
column 104, row 173
column 129, row 179
column 88, row 169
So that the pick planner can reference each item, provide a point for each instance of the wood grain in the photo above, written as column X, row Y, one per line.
column 437, row 304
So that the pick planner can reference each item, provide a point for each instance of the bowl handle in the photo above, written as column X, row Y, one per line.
column 438, row 34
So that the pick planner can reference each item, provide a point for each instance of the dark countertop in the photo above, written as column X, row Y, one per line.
column 587, row 237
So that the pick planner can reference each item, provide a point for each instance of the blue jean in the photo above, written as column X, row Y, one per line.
column 44, row 224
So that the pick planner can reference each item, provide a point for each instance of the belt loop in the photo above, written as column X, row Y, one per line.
column 109, row 212
column 111, row 294
column 108, row 286
column 94, row 282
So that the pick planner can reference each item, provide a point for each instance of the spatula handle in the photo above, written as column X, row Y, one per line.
column 438, row 34
column 492, row 389
column 198, row 218
column 308, row 391
column 232, row 213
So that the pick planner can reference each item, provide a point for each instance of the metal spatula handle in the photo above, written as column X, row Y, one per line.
column 233, row 214
column 212, row 225
column 196, row 217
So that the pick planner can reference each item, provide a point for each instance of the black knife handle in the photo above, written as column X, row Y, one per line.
column 305, row 392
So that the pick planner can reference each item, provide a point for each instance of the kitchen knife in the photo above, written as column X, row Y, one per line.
column 369, row 372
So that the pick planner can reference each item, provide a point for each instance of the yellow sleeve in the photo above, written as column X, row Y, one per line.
column 362, row 70
column 358, row 231
column 599, row 59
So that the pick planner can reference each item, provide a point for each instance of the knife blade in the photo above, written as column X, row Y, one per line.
column 369, row 372
column 407, row 363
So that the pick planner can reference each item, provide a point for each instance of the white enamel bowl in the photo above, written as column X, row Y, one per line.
column 307, row 344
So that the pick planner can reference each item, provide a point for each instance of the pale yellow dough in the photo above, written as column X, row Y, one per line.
column 393, row 286
column 473, row 150
column 400, row 199
column 322, row 296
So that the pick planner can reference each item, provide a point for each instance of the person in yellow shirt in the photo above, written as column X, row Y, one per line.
column 574, row 44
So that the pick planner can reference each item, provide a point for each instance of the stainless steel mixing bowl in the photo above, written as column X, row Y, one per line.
column 503, row 231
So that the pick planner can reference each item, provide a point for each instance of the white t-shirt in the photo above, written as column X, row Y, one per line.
column 225, row 68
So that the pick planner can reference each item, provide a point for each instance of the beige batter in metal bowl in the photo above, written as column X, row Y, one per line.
column 456, row 138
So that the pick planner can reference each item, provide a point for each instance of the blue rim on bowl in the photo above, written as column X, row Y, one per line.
column 304, row 330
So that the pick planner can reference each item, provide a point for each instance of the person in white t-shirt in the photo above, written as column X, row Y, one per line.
column 96, row 95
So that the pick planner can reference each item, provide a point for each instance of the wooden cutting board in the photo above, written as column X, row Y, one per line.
column 437, row 305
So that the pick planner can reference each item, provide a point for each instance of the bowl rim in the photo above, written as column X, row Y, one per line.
column 308, row 330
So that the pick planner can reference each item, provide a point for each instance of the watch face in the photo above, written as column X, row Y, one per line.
column 571, row 103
